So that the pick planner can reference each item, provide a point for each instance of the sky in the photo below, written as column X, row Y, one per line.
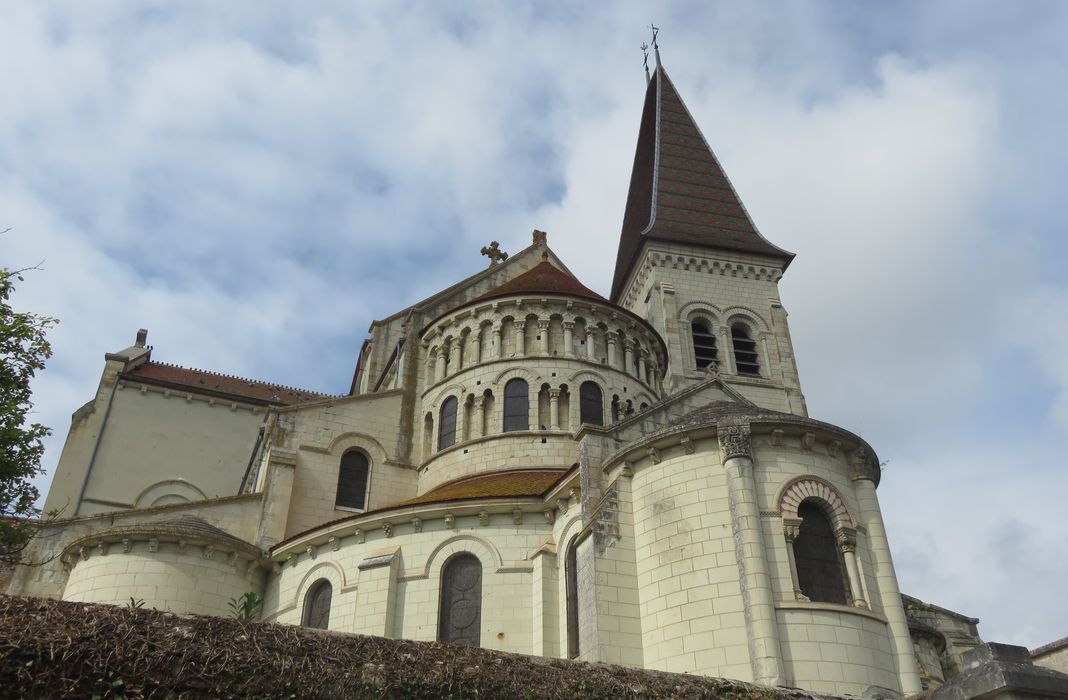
column 254, row 182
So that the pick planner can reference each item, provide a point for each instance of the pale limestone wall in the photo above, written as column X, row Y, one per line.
column 167, row 579
column 161, row 447
column 777, row 466
column 688, row 584
column 1056, row 659
column 683, row 283
column 321, row 434
column 836, row 651
column 504, row 548
column 237, row 515
column 496, row 452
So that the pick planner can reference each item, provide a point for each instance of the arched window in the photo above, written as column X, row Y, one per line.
column 820, row 572
column 591, row 404
column 516, row 406
column 704, row 344
column 745, row 355
column 447, row 424
column 317, row 605
column 460, row 611
column 571, row 594
column 352, row 480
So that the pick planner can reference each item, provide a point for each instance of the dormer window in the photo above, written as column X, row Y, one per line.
column 745, row 354
column 704, row 344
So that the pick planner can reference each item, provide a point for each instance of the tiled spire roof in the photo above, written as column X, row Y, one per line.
column 678, row 190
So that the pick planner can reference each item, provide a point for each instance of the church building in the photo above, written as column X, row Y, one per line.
column 524, row 464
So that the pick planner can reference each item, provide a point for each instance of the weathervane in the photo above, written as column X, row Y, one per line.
column 645, row 52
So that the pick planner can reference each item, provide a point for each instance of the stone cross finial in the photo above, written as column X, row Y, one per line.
column 494, row 253
column 539, row 237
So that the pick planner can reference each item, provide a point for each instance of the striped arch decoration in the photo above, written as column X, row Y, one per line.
column 809, row 487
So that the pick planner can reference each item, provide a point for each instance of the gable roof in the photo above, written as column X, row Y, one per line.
column 678, row 190
column 221, row 385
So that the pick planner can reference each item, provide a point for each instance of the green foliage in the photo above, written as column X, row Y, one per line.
column 135, row 604
column 247, row 607
column 23, row 350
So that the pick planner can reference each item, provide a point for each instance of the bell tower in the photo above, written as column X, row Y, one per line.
column 692, row 262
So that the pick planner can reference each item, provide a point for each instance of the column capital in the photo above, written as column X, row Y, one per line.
column 863, row 465
column 569, row 325
column 543, row 323
column 554, row 393
column 520, row 324
column 791, row 529
column 847, row 538
column 735, row 441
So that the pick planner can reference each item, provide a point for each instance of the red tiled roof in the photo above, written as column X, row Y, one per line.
column 221, row 385
column 543, row 278
column 678, row 190
column 513, row 483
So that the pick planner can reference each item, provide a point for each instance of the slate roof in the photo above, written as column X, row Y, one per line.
column 221, row 385
column 543, row 278
column 678, row 190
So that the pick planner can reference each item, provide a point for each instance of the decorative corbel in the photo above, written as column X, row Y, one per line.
column 517, row 517
column 808, row 440
column 417, row 524
column 654, row 454
column 483, row 518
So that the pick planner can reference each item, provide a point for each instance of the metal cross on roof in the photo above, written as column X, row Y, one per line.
column 494, row 253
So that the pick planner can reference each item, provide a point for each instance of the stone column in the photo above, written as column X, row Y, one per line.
column 497, row 340
column 628, row 358
column 610, row 338
column 645, row 368
column 847, row 543
column 726, row 354
column 735, row 446
column 791, row 529
column 569, row 338
column 885, row 578
column 476, row 422
column 543, row 333
column 591, row 341
column 454, row 355
column 520, row 338
column 554, row 409
column 476, row 347
column 439, row 366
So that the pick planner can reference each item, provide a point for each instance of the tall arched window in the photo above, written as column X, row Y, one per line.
column 317, row 605
column 745, row 354
column 591, row 404
column 447, row 424
column 820, row 572
column 704, row 344
column 571, row 594
column 460, row 610
column 352, row 480
column 516, row 406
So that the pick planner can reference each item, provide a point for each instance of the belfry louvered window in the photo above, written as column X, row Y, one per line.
column 352, row 480
column 317, row 605
column 460, row 611
column 745, row 354
column 704, row 344
column 820, row 572
column 591, row 404
column 447, row 424
column 516, row 406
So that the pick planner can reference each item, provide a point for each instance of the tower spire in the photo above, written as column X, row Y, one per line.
column 678, row 190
